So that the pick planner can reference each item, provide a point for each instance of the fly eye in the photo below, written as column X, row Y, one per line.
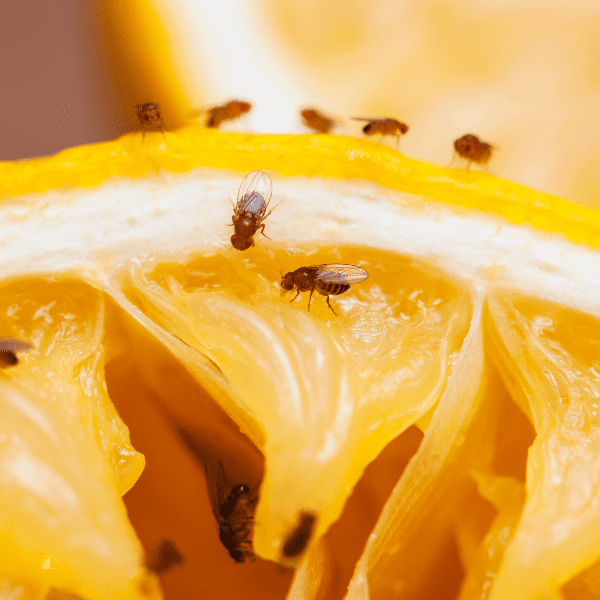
column 287, row 284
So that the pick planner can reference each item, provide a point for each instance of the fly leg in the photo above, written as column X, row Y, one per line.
column 333, row 311
column 262, row 229
column 310, row 298
column 297, row 294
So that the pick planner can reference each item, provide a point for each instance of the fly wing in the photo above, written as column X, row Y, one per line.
column 336, row 273
column 252, row 204
column 254, row 194
column 370, row 120
column 216, row 483
column 14, row 345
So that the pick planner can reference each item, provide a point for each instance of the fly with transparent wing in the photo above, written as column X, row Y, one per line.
column 251, row 209
column 383, row 127
column 233, row 507
column 328, row 280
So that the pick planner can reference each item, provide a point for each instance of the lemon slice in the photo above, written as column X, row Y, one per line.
column 138, row 246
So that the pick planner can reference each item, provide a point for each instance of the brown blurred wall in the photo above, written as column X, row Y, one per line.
column 57, row 87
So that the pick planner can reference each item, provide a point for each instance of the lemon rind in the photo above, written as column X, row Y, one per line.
column 294, row 155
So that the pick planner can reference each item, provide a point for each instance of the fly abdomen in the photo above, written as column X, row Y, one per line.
column 8, row 358
column 332, row 289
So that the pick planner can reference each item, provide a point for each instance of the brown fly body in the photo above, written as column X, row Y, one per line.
column 297, row 541
column 233, row 507
column 317, row 121
column 474, row 150
column 250, row 211
column 226, row 112
column 327, row 280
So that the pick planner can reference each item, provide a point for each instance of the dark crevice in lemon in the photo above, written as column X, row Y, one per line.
column 446, row 580
column 170, row 500
column 347, row 537
column 584, row 586
column 514, row 436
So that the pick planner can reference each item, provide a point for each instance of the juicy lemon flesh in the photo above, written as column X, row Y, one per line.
column 552, row 354
column 80, row 316
column 324, row 390
column 65, row 455
column 143, row 382
column 429, row 305
column 171, row 497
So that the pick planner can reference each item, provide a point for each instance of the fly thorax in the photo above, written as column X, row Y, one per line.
column 245, row 226
column 304, row 280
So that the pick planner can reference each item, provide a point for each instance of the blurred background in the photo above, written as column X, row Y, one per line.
column 524, row 76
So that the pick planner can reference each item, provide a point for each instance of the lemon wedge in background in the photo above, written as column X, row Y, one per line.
column 466, row 362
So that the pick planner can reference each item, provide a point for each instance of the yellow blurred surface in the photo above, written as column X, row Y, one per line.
column 525, row 77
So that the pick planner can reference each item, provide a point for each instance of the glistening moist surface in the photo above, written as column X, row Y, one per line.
column 95, row 231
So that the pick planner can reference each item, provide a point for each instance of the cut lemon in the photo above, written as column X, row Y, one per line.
column 476, row 327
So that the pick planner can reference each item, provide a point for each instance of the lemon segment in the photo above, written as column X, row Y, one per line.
column 65, row 457
column 273, row 354
column 552, row 353
column 416, row 521
column 507, row 495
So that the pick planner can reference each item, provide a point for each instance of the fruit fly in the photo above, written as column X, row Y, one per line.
column 316, row 121
column 297, row 541
column 384, row 127
column 233, row 507
column 253, row 200
column 164, row 556
column 469, row 146
column 328, row 280
column 150, row 115
column 226, row 112
column 8, row 349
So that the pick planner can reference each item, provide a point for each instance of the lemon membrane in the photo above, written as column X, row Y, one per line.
column 147, row 226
